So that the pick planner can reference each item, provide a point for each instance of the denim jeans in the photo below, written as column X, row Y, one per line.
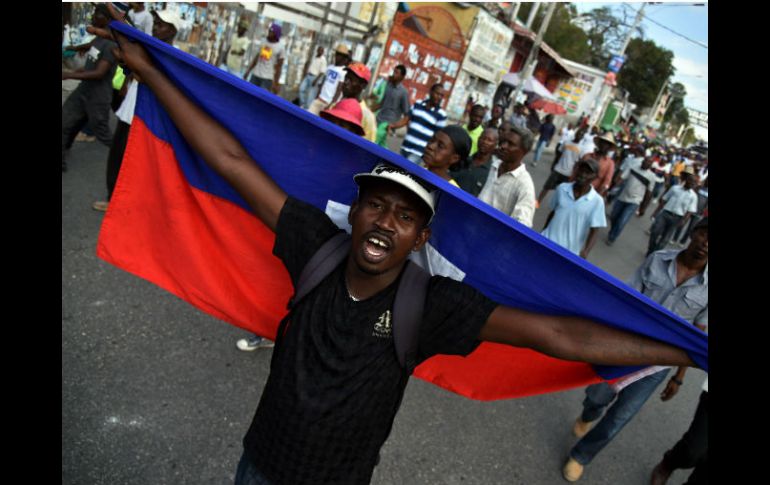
column 247, row 473
column 662, row 230
column 261, row 82
column 539, row 149
column 621, row 214
column 307, row 92
column 629, row 401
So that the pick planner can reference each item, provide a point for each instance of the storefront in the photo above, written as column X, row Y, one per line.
column 485, row 62
column 429, row 42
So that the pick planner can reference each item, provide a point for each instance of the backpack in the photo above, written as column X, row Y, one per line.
column 407, row 307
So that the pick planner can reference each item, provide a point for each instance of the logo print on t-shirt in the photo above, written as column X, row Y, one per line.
column 382, row 327
column 266, row 53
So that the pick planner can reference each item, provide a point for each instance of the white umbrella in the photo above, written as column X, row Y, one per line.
column 531, row 85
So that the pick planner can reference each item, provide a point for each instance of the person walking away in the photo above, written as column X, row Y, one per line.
column 331, row 80
column 90, row 101
column 424, row 119
column 510, row 188
column 678, row 280
column 394, row 107
column 547, row 130
column 577, row 210
column 307, row 87
column 266, row 67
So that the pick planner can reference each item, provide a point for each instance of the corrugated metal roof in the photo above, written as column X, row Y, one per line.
column 525, row 32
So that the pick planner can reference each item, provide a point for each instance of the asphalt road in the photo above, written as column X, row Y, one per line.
column 155, row 392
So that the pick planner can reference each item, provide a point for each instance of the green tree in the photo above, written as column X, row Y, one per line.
column 647, row 67
column 566, row 38
column 606, row 30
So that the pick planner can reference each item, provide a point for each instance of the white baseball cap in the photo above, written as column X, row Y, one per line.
column 403, row 178
column 169, row 16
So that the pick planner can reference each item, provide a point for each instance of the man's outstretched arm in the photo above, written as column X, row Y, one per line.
column 213, row 142
column 578, row 339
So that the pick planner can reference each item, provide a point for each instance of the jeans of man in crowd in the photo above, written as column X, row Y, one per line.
column 307, row 92
column 662, row 230
column 625, row 406
column 683, row 234
column 619, row 217
column 261, row 82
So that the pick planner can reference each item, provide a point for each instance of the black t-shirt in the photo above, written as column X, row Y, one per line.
column 335, row 382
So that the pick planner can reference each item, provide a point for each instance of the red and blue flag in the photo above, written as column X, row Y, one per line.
column 176, row 223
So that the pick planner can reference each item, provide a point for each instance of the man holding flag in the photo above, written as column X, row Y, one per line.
column 335, row 384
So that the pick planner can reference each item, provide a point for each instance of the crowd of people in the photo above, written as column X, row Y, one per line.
column 485, row 157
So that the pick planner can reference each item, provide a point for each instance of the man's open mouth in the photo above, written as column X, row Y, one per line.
column 376, row 248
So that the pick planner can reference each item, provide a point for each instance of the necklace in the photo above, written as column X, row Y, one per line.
column 347, row 288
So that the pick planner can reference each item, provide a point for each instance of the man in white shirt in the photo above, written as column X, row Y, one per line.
column 675, row 209
column 509, row 188
column 639, row 181
column 238, row 45
column 307, row 91
column 268, row 62
column 332, row 80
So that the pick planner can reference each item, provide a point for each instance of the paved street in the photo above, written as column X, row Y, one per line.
column 155, row 392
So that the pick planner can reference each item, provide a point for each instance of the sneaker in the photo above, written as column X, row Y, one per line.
column 253, row 343
column 572, row 470
column 608, row 242
column 100, row 205
column 581, row 427
column 83, row 137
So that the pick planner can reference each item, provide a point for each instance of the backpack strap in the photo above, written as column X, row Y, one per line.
column 321, row 264
column 408, row 314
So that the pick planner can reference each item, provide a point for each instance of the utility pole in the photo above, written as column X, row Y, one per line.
column 604, row 97
column 655, row 106
column 529, row 66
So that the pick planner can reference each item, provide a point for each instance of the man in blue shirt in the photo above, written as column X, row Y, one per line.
column 424, row 119
column 578, row 211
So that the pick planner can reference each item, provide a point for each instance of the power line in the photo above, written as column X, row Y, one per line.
column 705, row 46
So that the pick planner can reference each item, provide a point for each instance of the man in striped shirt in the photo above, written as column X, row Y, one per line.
column 424, row 119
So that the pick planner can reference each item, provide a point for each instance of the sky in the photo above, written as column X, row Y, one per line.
column 690, row 58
